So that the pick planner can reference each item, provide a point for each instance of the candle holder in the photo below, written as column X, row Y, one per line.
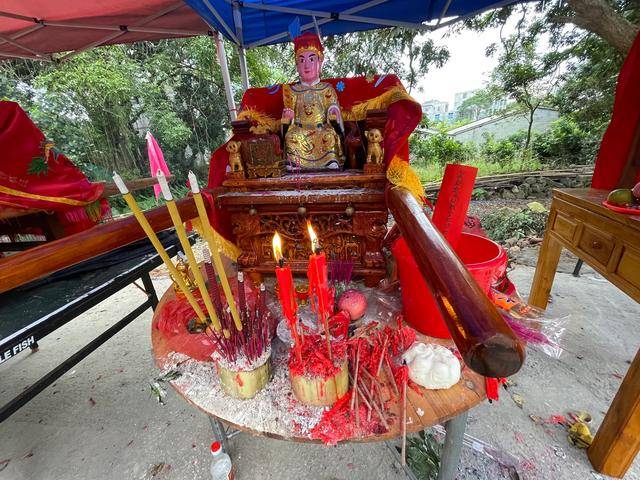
column 244, row 383
column 321, row 391
column 316, row 378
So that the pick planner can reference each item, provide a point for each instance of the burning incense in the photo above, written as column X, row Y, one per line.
column 186, row 246
column 213, row 247
column 148, row 230
column 404, row 414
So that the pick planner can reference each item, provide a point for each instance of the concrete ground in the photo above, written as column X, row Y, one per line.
column 100, row 420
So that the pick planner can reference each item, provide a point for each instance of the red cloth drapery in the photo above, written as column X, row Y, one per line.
column 618, row 139
column 33, row 175
column 356, row 96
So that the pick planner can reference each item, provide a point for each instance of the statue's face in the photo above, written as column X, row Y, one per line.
column 308, row 65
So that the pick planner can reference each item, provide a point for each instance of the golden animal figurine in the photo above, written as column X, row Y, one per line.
column 182, row 266
column 235, row 162
column 374, row 149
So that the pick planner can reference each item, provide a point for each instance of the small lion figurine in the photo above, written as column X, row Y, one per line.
column 374, row 149
column 235, row 163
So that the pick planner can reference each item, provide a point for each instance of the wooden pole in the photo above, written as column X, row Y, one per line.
column 39, row 262
column 485, row 341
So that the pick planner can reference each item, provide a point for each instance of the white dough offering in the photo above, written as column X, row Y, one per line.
column 432, row 366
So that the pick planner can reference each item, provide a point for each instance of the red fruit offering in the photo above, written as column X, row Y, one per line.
column 354, row 303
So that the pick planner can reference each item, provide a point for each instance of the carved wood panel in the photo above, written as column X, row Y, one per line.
column 357, row 238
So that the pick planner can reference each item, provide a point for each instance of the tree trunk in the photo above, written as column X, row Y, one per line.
column 598, row 17
column 529, row 128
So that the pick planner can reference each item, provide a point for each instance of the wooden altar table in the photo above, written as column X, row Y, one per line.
column 610, row 243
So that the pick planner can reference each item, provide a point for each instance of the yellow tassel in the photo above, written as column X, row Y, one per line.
column 400, row 174
column 227, row 248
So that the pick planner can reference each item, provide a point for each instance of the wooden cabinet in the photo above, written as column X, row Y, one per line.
column 347, row 210
column 610, row 243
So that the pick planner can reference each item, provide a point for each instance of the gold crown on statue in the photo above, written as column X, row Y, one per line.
column 308, row 42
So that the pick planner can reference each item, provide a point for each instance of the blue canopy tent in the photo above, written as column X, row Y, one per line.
column 255, row 23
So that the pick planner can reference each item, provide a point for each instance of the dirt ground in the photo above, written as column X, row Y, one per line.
column 100, row 421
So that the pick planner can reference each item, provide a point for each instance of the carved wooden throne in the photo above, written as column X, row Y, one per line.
column 346, row 208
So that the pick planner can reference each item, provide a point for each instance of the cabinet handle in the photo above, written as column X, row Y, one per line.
column 596, row 245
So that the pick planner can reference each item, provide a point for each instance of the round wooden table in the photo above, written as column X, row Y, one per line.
column 275, row 413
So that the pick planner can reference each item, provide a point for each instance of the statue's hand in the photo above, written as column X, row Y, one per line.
column 287, row 115
column 333, row 112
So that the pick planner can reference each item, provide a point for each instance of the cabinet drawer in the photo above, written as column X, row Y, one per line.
column 565, row 227
column 596, row 244
column 629, row 266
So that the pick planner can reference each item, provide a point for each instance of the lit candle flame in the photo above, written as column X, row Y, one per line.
column 277, row 248
column 315, row 244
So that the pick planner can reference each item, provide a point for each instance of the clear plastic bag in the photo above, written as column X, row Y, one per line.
column 531, row 324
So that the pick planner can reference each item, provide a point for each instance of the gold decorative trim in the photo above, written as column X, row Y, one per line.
column 400, row 174
column 47, row 198
column 381, row 102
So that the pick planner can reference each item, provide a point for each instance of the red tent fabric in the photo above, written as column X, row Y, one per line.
column 618, row 139
column 34, row 176
column 35, row 28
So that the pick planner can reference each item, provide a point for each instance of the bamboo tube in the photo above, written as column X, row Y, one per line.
column 186, row 246
column 213, row 248
column 144, row 223
column 485, row 341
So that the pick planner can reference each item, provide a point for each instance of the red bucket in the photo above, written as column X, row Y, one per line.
column 485, row 260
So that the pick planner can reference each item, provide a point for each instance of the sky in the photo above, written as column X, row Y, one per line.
column 467, row 68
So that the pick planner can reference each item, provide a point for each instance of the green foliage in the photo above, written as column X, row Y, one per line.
column 514, row 223
column 423, row 455
column 145, row 200
column 404, row 52
column 440, row 149
column 480, row 104
column 503, row 151
column 431, row 154
column 565, row 143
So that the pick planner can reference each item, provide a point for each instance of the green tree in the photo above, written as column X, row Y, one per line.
column 403, row 52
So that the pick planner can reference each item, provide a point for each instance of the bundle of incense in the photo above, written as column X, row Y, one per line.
column 255, row 337
column 212, row 285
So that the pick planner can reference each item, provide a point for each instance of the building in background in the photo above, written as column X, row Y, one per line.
column 435, row 110
column 477, row 111
column 503, row 126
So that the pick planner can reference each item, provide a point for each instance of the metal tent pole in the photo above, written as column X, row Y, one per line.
column 242, row 53
column 244, row 71
column 226, row 78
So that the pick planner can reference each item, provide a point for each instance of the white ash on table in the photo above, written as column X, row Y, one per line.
column 273, row 411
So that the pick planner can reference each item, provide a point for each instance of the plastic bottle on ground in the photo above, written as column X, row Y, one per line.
column 221, row 466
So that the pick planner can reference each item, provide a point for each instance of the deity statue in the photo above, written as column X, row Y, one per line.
column 311, row 142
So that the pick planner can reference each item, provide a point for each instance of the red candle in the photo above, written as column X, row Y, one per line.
column 318, row 283
column 286, row 294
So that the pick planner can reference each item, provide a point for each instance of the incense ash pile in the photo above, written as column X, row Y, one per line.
column 274, row 410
